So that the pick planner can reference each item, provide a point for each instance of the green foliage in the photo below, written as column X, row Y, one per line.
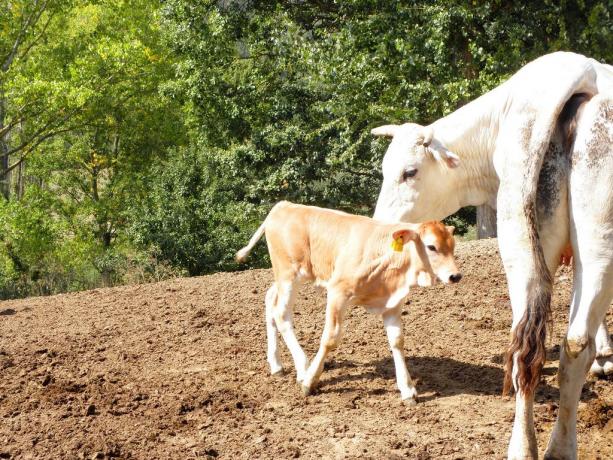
column 285, row 93
column 194, row 219
column 149, row 139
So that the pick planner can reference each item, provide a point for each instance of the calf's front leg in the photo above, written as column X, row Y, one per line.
column 330, row 338
column 393, row 328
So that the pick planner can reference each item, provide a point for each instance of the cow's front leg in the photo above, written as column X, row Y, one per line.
column 330, row 338
column 603, row 364
column 395, row 336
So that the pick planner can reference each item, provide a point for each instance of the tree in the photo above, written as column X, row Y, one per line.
column 283, row 94
column 26, row 27
column 102, row 71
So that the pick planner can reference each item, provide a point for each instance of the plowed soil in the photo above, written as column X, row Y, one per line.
column 178, row 370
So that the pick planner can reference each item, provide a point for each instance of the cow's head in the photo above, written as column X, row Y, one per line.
column 439, row 244
column 416, row 186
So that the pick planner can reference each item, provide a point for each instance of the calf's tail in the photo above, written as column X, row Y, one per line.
column 242, row 254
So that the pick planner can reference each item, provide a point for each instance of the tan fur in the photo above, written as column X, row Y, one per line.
column 352, row 252
column 353, row 257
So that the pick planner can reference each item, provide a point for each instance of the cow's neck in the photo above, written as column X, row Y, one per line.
column 470, row 132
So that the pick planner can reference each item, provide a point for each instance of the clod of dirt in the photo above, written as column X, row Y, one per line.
column 211, row 453
column 91, row 410
column 596, row 413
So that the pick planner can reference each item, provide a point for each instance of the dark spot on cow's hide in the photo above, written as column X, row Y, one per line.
column 552, row 178
column 599, row 144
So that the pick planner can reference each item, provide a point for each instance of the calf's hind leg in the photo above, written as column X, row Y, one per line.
column 273, row 356
column 603, row 364
column 284, row 320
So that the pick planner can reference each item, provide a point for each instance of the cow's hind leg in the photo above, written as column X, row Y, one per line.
column 591, row 206
column 592, row 296
column 335, row 310
column 395, row 336
column 552, row 209
column 284, row 320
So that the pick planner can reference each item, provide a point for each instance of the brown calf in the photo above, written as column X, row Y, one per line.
column 360, row 261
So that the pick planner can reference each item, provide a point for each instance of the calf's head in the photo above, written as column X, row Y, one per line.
column 416, row 186
column 419, row 269
column 439, row 245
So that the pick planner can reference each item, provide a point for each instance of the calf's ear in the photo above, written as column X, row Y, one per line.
column 405, row 235
column 450, row 229
column 385, row 130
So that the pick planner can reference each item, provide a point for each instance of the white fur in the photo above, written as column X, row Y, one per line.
column 491, row 139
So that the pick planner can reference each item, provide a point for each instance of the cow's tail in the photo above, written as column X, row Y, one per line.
column 527, row 350
column 242, row 255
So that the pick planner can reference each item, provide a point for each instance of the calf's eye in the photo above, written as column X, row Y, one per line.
column 408, row 173
column 431, row 248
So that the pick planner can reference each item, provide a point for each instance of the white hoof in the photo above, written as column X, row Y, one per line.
column 602, row 367
column 276, row 369
column 306, row 389
column 409, row 397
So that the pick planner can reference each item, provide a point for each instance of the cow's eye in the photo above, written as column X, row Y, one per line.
column 431, row 248
column 407, row 174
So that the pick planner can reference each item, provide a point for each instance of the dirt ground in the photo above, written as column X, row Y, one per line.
column 177, row 370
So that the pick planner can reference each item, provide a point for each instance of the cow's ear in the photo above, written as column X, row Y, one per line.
column 428, row 134
column 450, row 229
column 441, row 153
column 385, row 130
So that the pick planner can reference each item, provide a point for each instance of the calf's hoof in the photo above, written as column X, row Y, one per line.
column 410, row 402
column 276, row 371
column 409, row 397
column 306, row 389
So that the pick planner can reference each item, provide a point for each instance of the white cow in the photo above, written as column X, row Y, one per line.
column 539, row 148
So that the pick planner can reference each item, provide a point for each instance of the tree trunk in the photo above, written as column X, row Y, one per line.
column 5, row 176
column 486, row 222
column 20, row 186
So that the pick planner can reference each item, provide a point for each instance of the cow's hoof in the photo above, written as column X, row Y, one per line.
column 601, row 367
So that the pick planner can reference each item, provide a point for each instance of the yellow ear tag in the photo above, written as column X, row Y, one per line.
column 398, row 244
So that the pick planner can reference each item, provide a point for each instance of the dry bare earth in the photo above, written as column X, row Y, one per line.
column 177, row 370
